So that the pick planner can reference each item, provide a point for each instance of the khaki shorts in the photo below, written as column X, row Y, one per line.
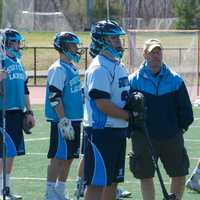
column 171, row 152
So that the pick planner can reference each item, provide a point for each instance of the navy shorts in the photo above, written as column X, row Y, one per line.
column 171, row 152
column 104, row 156
column 14, row 133
column 61, row 148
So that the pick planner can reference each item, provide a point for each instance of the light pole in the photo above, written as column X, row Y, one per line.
column 108, row 9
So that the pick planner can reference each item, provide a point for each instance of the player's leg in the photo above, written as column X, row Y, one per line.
column 93, row 192
column 72, row 149
column 95, row 170
column 60, row 186
column 80, row 186
column 55, row 155
column 194, row 181
column 109, row 192
column 15, row 146
column 52, row 175
column 9, row 165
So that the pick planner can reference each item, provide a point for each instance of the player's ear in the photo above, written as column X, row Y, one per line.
column 145, row 54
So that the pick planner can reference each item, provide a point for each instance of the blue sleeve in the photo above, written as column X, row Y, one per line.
column 184, row 107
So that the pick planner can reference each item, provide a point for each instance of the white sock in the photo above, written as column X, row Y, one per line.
column 197, row 170
column 50, row 186
column 1, row 182
column 78, row 179
column 60, row 188
column 7, row 181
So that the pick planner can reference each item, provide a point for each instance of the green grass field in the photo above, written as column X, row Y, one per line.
column 29, row 175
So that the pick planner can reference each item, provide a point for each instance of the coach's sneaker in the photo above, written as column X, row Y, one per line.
column 80, row 188
column 122, row 193
column 193, row 182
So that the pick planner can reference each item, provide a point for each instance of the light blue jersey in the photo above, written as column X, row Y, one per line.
column 14, row 88
column 112, row 78
column 66, row 78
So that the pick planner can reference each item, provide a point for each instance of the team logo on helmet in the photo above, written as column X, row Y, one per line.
column 61, row 44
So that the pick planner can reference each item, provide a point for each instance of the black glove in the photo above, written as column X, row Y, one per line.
column 136, row 109
column 27, row 126
column 135, row 102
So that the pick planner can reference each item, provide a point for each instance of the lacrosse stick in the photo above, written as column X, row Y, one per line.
column 136, row 105
column 3, row 129
column 166, row 195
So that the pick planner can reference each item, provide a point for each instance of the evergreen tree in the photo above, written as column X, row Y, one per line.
column 188, row 13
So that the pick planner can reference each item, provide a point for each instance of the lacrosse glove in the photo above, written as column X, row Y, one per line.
column 27, row 125
column 66, row 129
column 135, row 107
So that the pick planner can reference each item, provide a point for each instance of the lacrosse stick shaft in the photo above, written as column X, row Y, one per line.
column 164, row 190
column 3, row 130
column 4, row 153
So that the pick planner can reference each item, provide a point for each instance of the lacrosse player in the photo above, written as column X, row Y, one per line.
column 169, row 114
column 106, row 89
column 193, row 182
column 64, row 110
column 14, row 99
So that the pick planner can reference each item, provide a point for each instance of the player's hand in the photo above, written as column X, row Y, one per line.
column 28, row 121
column 3, row 74
column 66, row 128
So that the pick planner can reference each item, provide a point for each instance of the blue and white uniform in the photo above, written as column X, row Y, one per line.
column 65, row 77
column 13, row 101
column 111, row 78
column 105, row 136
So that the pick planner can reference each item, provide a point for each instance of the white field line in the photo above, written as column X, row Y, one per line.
column 36, row 154
column 71, row 180
column 47, row 138
column 195, row 126
column 36, row 139
column 45, row 154
column 192, row 140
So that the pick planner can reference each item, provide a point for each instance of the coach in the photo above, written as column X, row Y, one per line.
column 169, row 114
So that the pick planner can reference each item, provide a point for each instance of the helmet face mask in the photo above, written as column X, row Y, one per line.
column 68, row 44
column 14, row 43
column 106, row 36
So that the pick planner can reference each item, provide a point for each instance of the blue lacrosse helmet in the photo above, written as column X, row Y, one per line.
column 11, row 35
column 61, row 41
column 99, row 31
